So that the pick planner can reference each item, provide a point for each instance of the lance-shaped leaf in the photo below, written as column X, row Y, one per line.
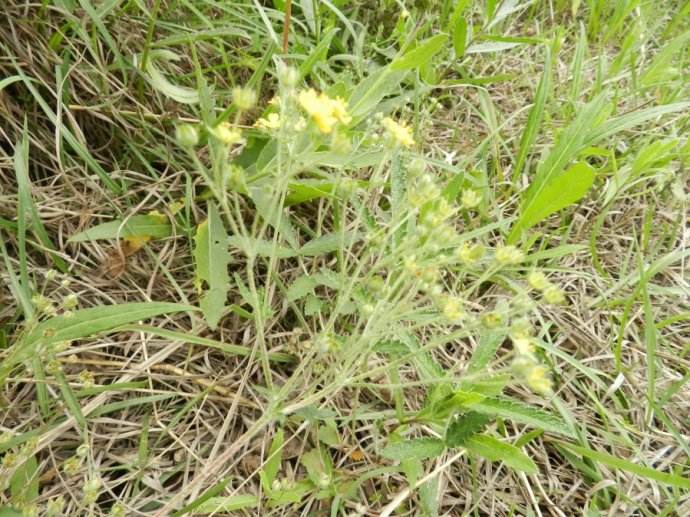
column 212, row 257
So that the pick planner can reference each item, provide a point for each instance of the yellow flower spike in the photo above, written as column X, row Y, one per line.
column 399, row 131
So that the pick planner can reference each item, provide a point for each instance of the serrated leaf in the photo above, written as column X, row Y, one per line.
column 301, row 287
column 84, row 323
column 212, row 257
column 153, row 226
column 495, row 450
column 416, row 449
column 465, row 426
column 522, row 413
column 420, row 54
column 313, row 305
column 561, row 191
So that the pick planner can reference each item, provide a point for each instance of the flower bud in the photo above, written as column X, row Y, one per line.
column 187, row 135
column 244, row 98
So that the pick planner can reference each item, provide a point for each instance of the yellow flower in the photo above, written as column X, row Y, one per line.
column 554, row 294
column 538, row 379
column 271, row 122
column 400, row 131
column 537, row 280
column 227, row 134
column 324, row 111
column 452, row 309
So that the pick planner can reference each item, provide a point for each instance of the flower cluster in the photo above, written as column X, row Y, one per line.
column 551, row 293
column 525, row 364
column 323, row 110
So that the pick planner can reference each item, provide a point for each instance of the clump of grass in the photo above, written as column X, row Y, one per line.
column 374, row 275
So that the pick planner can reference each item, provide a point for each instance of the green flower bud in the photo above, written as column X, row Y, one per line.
column 187, row 135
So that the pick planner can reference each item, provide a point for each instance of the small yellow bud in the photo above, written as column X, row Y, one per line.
column 452, row 309
column 537, row 378
column 523, row 345
column 86, row 377
column 537, row 280
column 492, row 319
column 554, row 295
column 509, row 255
column 470, row 198
column 70, row 301
column 470, row 253
column 244, row 98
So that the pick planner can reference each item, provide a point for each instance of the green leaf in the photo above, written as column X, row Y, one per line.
column 495, row 450
column 318, row 463
column 460, row 36
column 534, row 119
column 24, row 482
column 561, row 191
column 301, row 287
column 273, row 460
column 154, row 226
column 8, row 511
column 329, row 243
column 81, row 324
column 522, row 413
column 212, row 257
column 465, row 426
column 420, row 54
column 417, row 449
column 160, row 83
column 231, row 503
column 619, row 463
column 27, row 208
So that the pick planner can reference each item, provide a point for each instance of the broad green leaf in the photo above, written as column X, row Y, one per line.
column 561, row 191
column 159, row 82
column 212, row 257
column 465, row 426
column 153, row 226
column 8, row 511
column 231, row 503
column 368, row 94
column 495, row 450
column 416, row 449
column 294, row 494
column 522, row 413
column 251, row 246
column 639, row 470
column 420, row 54
column 83, row 323
column 632, row 119
column 460, row 36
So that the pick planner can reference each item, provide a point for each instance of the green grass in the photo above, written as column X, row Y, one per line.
column 343, row 312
